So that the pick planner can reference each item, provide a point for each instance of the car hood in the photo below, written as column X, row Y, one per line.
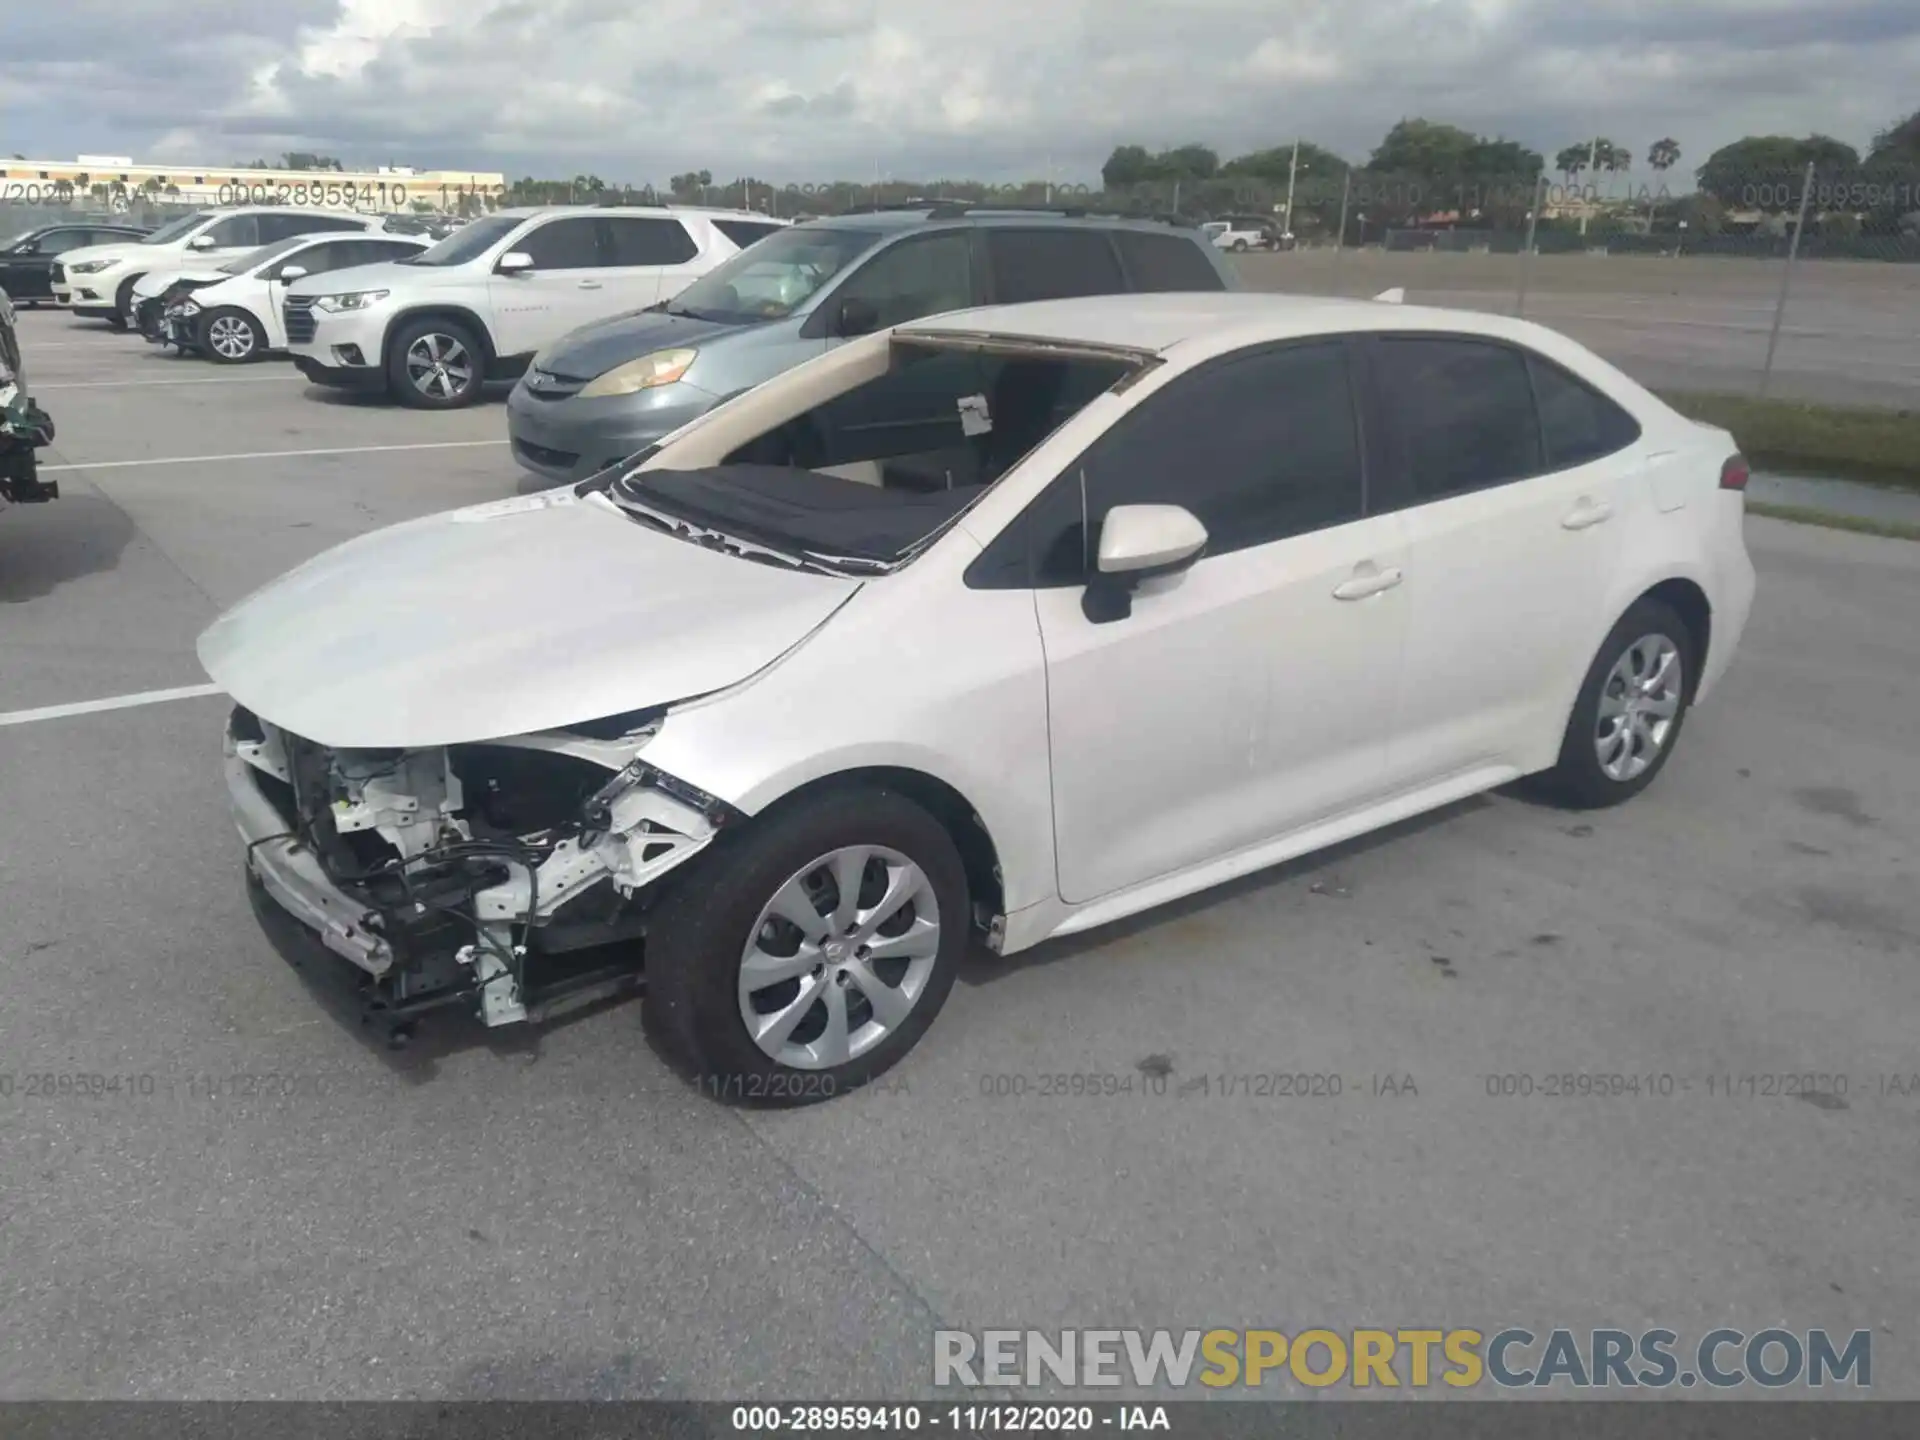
column 595, row 349
column 154, row 281
column 70, row 258
column 381, row 275
column 504, row 619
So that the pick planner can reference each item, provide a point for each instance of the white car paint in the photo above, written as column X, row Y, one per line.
column 91, row 277
column 1260, row 704
column 515, row 313
column 259, row 291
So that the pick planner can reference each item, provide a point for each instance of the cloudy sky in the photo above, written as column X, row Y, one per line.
column 811, row 90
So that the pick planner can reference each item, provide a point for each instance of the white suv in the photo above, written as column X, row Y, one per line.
column 98, row 281
column 432, row 329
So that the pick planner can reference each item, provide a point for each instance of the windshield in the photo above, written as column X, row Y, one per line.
column 246, row 262
column 176, row 229
column 773, row 277
column 469, row 242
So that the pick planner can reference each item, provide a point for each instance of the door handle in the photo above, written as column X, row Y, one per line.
column 1587, row 514
column 589, row 284
column 1367, row 582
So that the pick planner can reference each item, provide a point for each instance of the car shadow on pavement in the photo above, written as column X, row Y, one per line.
column 494, row 392
column 983, row 967
column 44, row 546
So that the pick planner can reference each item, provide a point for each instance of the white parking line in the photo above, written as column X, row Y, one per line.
column 116, row 702
column 272, row 455
column 126, row 384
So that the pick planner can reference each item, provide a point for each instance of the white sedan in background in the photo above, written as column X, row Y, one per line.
column 232, row 313
column 1009, row 622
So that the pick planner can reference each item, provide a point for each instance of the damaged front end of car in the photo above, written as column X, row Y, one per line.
column 24, row 427
column 511, row 876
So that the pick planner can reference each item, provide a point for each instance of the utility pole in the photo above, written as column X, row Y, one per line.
column 1293, row 173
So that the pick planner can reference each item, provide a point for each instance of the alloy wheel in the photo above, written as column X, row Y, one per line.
column 231, row 337
column 839, row 957
column 439, row 366
column 1639, row 706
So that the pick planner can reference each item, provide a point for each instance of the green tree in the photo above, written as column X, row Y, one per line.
column 1898, row 144
column 1663, row 155
column 302, row 160
column 1127, row 165
column 1424, row 148
column 1273, row 165
column 1762, row 171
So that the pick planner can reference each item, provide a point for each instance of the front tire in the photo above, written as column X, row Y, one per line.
column 436, row 365
column 1630, row 710
column 230, row 336
column 121, row 298
column 809, row 953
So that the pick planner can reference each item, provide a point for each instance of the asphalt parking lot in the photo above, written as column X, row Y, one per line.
column 1847, row 335
column 272, row 1205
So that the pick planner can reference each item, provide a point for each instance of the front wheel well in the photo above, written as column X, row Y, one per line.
column 1689, row 602
column 946, row 804
column 458, row 314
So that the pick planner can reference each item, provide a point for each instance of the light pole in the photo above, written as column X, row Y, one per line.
column 1293, row 173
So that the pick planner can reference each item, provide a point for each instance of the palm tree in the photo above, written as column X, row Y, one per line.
column 1662, row 155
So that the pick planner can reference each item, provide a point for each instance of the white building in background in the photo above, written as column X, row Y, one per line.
column 387, row 188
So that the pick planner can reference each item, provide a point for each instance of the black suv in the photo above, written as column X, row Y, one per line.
column 584, row 405
column 26, row 262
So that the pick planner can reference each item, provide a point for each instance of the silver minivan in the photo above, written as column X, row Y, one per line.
column 608, row 390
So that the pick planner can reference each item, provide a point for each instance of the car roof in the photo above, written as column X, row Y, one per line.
column 1209, row 320
column 528, row 212
column 936, row 216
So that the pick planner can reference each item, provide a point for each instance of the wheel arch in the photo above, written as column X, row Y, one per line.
column 1689, row 601
column 440, row 310
column 956, row 814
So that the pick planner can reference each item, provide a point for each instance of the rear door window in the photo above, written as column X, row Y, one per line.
column 645, row 240
column 1579, row 424
column 1464, row 411
column 1165, row 262
column 236, row 232
column 1051, row 264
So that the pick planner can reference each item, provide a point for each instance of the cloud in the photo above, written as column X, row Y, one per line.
column 810, row 90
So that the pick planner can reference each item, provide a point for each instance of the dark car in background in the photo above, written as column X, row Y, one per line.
column 608, row 390
column 26, row 259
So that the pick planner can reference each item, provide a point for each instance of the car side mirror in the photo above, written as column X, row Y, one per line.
column 514, row 262
column 1139, row 543
column 200, row 242
column 856, row 317
column 289, row 273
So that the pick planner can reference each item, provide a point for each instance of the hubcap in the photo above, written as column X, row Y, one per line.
column 230, row 336
column 1639, row 704
column 439, row 366
column 839, row 957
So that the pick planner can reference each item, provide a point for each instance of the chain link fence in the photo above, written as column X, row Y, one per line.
column 1792, row 285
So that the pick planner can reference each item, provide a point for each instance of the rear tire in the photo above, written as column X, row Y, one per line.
column 1630, row 710
column 436, row 365
column 854, row 998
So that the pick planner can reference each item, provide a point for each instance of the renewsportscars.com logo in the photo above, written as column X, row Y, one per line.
column 1511, row 1358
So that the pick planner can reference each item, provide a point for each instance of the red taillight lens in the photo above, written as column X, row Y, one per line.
column 1733, row 474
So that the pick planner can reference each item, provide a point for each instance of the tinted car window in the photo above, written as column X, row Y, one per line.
column 57, row 242
column 642, row 240
column 1165, row 262
column 744, row 232
column 920, row 276
column 571, row 244
column 369, row 251
column 1578, row 422
column 1051, row 264
column 273, row 226
column 1465, row 413
column 1259, row 448
column 236, row 230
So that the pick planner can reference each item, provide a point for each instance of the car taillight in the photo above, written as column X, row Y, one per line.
column 1734, row 473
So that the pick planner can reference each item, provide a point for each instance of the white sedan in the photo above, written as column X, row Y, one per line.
column 1010, row 623
column 232, row 313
